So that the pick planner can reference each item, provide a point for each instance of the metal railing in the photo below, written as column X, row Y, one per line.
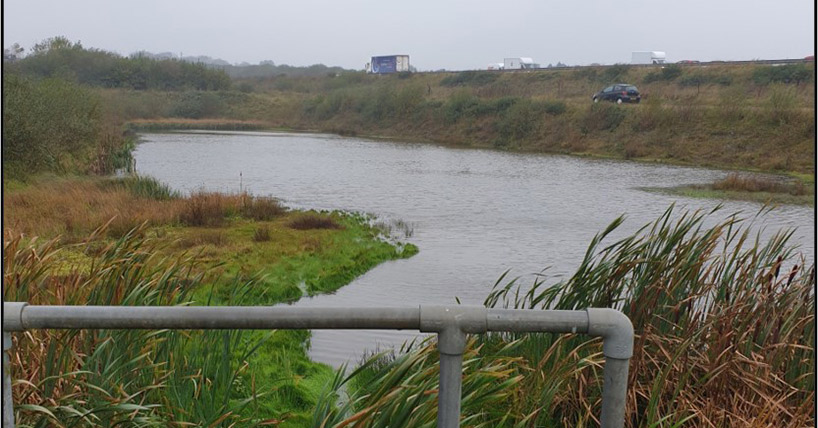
column 451, row 323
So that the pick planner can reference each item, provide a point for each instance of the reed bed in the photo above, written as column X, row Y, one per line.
column 117, row 377
column 746, row 183
column 73, row 207
column 725, row 326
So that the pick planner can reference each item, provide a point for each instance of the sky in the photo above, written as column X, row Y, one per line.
column 436, row 34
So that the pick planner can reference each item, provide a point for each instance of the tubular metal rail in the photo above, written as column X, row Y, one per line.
column 451, row 323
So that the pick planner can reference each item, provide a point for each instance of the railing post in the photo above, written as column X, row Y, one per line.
column 451, row 343
column 616, row 331
column 614, row 392
column 8, row 406
column 451, row 323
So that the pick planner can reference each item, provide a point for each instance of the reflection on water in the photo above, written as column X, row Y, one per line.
column 474, row 213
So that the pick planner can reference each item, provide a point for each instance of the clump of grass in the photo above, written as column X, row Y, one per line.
column 261, row 234
column 261, row 208
column 144, row 187
column 748, row 183
column 208, row 208
column 314, row 221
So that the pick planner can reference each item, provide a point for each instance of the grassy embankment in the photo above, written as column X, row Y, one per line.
column 720, row 116
column 158, row 248
column 748, row 117
column 756, row 118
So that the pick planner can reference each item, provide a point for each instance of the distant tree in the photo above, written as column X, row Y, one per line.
column 13, row 53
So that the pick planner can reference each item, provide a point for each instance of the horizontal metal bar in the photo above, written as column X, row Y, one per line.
column 526, row 320
column 217, row 317
column 452, row 323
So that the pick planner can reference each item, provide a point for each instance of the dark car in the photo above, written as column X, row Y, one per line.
column 619, row 93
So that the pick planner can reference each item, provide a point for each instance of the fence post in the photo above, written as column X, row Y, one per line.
column 8, row 406
column 451, row 343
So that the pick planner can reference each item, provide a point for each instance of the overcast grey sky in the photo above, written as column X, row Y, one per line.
column 435, row 33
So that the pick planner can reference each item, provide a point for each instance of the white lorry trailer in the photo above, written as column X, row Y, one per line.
column 519, row 63
column 648, row 57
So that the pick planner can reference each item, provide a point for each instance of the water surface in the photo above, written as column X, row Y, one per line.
column 475, row 213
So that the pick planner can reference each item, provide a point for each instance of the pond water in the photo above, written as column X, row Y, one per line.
column 473, row 213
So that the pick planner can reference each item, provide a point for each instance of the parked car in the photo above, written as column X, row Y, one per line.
column 619, row 93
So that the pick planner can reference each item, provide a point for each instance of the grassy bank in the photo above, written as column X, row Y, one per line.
column 159, row 248
column 745, row 117
column 754, row 117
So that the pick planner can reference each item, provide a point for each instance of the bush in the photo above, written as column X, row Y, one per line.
column 262, row 234
column 554, row 108
column 261, row 208
column 313, row 221
column 206, row 209
column 667, row 73
column 197, row 105
column 780, row 105
column 614, row 73
column 698, row 79
column 144, row 187
column 523, row 119
column 460, row 104
column 601, row 117
column 59, row 57
column 789, row 73
column 50, row 125
column 470, row 78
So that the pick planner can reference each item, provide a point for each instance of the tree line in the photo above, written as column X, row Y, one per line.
column 58, row 57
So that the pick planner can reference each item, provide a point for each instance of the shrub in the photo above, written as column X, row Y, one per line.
column 144, row 187
column 49, row 125
column 262, row 234
column 461, row 104
column 313, row 221
column 261, row 208
column 206, row 209
column 520, row 120
column 667, row 73
column 470, row 78
column 601, row 117
column 198, row 104
column 614, row 73
column 789, row 73
column 780, row 105
column 554, row 108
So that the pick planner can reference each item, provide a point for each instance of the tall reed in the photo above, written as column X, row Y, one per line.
column 118, row 377
column 725, row 336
